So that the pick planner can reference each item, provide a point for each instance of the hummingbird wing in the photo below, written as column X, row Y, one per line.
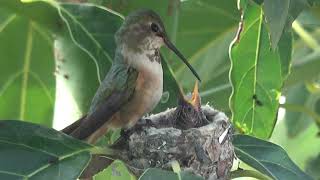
column 115, row 90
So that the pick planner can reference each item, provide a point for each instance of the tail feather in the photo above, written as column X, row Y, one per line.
column 98, row 162
column 69, row 129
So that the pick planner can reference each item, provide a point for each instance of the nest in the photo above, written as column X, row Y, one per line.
column 199, row 139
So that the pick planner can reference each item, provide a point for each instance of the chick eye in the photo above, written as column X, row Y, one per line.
column 154, row 27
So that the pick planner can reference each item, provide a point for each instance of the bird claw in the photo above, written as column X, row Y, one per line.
column 139, row 127
column 125, row 133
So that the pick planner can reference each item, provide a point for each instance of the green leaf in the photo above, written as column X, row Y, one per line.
column 280, row 15
column 257, row 75
column 30, row 151
column 301, row 102
column 84, row 53
column 27, row 82
column 76, row 81
column 304, row 68
column 301, row 148
column 158, row 174
column 268, row 158
column 93, row 31
column 313, row 166
column 116, row 171
column 310, row 17
column 298, row 121
column 39, row 11
column 84, row 49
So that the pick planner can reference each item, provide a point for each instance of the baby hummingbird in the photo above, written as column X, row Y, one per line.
column 134, row 84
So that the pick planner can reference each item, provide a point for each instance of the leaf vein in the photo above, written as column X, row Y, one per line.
column 25, row 72
column 7, row 22
column 261, row 164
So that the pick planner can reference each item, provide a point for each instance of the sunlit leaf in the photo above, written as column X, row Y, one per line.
column 84, row 53
column 92, row 28
column 257, row 75
column 26, row 68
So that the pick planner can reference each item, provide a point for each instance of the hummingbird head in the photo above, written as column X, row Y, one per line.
column 142, row 31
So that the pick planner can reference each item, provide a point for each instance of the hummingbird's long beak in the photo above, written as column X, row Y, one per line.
column 177, row 52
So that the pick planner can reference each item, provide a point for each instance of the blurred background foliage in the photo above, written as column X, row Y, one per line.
column 49, row 79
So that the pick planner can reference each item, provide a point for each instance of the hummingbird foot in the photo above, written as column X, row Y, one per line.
column 139, row 127
column 126, row 133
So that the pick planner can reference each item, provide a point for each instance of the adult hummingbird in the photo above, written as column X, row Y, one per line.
column 134, row 84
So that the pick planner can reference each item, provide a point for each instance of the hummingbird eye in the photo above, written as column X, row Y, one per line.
column 154, row 27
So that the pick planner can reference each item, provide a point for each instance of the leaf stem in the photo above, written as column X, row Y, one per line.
column 102, row 150
column 248, row 173
column 26, row 69
column 299, row 108
column 176, row 168
column 305, row 35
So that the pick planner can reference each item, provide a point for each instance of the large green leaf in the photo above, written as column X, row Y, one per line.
column 280, row 15
column 304, row 69
column 84, row 53
column 306, row 54
column 29, row 151
column 300, row 101
column 204, row 41
column 84, row 49
column 26, row 67
column 39, row 11
column 268, row 158
column 302, row 147
column 313, row 166
column 310, row 17
column 76, row 81
column 92, row 29
column 257, row 75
